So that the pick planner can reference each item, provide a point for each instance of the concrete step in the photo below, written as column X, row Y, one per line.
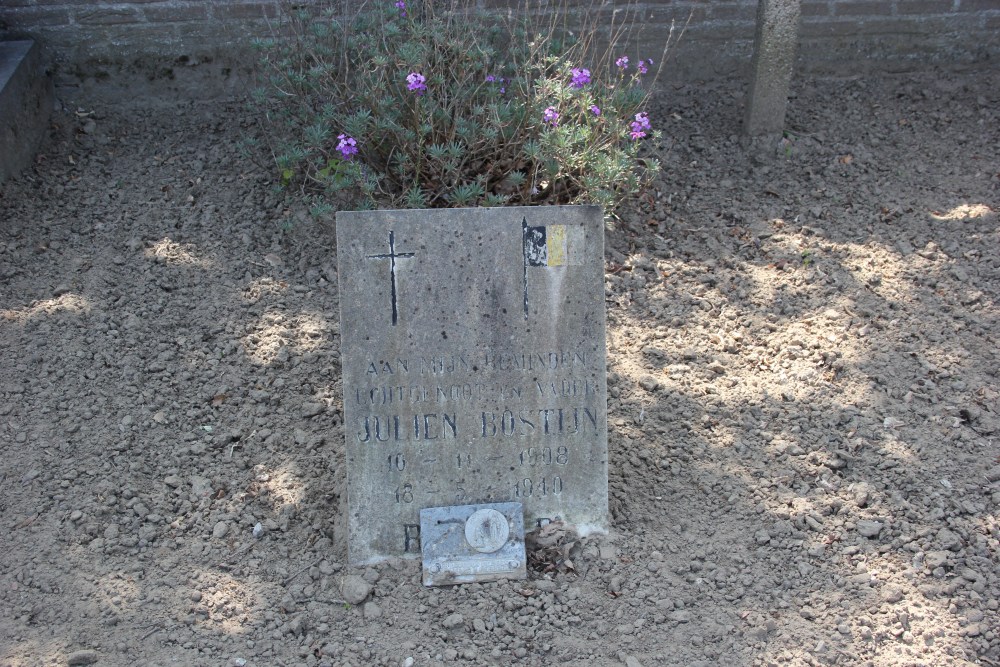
column 26, row 99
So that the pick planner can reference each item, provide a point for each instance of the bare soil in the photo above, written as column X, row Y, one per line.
column 804, row 397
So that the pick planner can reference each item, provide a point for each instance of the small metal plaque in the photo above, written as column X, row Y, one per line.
column 468, row 543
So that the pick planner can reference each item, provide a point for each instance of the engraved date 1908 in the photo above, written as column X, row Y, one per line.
column 544, row 456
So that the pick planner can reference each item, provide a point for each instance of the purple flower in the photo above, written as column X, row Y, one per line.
column 622, row 63
column 401, row 6
column 490, row 78
column 347, row 146
column 639, row 126
column 594, row 109
column 581, row 77
column 552, row 116
column 415, row 81
column 642, row 66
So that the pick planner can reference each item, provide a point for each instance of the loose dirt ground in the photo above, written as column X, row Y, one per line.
column 804, row 396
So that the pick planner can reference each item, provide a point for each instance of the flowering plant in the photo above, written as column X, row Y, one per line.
column 406, row 106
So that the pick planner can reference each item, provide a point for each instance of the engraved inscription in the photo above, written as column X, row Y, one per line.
column 404, row 493
column 535, row 361
column 441, row 394
column 479, row 363
column 535, row 456
column 547, row 421
column 414, row 435
column 543, row 486
column 402, row 428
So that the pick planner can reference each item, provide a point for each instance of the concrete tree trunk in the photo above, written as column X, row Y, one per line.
column 771, row 70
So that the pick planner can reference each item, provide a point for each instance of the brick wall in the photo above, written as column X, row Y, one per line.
column 78, row 31
column 161, row 39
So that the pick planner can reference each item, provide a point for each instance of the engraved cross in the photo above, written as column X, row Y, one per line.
column 392, row 256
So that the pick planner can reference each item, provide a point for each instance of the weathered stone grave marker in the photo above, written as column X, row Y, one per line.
column 473, row 349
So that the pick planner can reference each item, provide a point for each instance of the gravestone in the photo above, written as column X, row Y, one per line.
column 474, row 368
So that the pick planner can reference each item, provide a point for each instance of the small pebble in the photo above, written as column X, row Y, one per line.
column 371, row 610
column 312, row 409
column 649, row 383
column 220, row 530
column 84, row 657
column 354, row 589
column 453, row 621
column 869, row 529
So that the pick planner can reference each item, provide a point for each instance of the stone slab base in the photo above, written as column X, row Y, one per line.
column 26, row 99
